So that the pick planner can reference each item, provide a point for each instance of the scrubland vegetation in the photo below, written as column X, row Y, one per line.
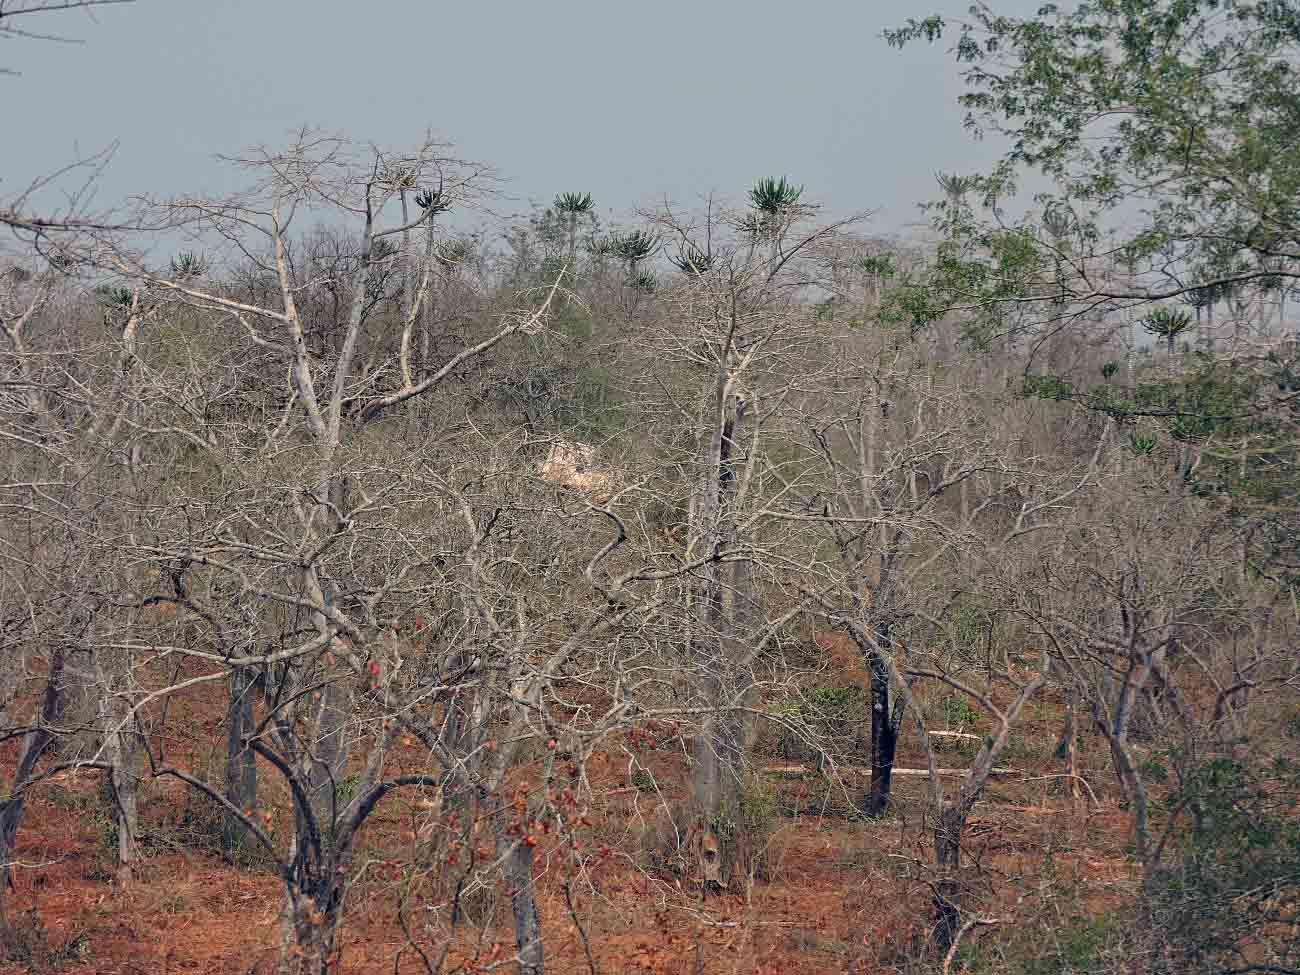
column 731, row 589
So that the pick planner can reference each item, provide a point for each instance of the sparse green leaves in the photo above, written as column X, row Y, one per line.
column 113, row 296
column 927, row 29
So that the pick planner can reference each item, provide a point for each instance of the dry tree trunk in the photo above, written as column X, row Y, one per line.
column 884, row 737
column 241, row 764
column 122, row 747
column 517, row 858
column 34, row 744
column 948, row 831
column 724, row 603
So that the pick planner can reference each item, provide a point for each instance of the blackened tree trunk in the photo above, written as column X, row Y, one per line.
column 884, row 738
column 886, row 721
column 310, row 932
column 1069, row 730
column 241, row 763
column 34, row 744
column 947, row 889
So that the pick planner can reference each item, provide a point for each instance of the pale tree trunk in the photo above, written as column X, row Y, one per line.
column 327, row 755
column 1067, row 744
column 723, row 604
column 308, row 936
column 517, row 871
column 122, row 747
column 951, row 822
column 125, row 791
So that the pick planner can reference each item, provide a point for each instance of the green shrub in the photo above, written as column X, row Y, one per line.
column 958, row 711
column 1233, row 893
column 826, row 720
column 644, row 780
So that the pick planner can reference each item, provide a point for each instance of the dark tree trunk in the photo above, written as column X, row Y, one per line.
column 947, row 889
column 884, row 739
column 1069, row 730
column 885, row 721
column 241, row 763
column 35, row 744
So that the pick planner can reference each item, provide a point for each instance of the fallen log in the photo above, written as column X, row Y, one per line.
column 798, row 770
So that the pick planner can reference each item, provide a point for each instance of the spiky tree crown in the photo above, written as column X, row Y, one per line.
column 633, row 247
column 433, row 201
column 692, row 260
column 1167, row 322
column 574, row 203
column 954, row 185
column 188, row 264
column 771, row 197
column 115, row 296
column 881, row 264
column 1058, row 221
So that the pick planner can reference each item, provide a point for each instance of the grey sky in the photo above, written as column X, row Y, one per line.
column 627, row 101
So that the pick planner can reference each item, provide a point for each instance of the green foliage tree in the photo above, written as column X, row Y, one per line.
column 1188, row 103
column 1185, row 105
column 1231, row 901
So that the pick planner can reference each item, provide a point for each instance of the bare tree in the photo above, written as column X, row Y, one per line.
column 22, row 18
column 744, row 333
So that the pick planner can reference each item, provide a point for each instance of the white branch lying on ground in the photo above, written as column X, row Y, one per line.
column 863, row 770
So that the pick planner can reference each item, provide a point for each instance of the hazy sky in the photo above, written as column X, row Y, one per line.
column 627, row 101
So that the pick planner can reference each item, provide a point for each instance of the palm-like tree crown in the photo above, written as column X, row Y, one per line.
column 955, row 186
column 573, row 203
column 771, row 197
column 633, row 247
column 1167, row 322
column 1058, row 221
column 433, row 201
column 692, row 260
column 188, row 264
